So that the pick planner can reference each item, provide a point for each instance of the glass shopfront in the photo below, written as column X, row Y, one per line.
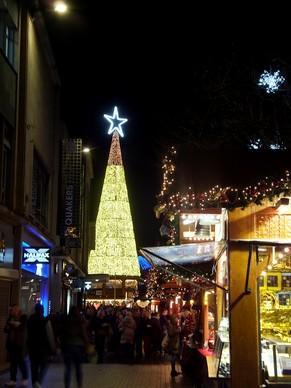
column 34, row 279
column 274, row 288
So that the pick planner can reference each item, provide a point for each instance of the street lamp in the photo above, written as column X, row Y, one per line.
column 60, row 7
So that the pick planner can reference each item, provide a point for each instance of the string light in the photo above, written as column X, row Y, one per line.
column 167, row 281
column 170, row 203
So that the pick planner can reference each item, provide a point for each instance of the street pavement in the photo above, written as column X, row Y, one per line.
column 156, row 375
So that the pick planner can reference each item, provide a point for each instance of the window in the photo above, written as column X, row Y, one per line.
column 274, row 314
column 10, row 44
column 261, row 281
column 40, row 187
column 286, row 280
column 272, row 281
column 6, row 160
column 8, row 34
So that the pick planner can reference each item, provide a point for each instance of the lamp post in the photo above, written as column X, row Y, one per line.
column 114, row 287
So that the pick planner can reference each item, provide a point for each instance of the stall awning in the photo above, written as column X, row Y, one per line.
column 186, row 254
column 266, row 242
column 185, row 257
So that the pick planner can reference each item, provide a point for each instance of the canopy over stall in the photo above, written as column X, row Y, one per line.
column 188, row 259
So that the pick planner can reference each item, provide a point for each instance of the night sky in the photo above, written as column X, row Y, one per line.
column 181, row 76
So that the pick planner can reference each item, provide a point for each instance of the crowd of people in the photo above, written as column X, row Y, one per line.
column 103, row 334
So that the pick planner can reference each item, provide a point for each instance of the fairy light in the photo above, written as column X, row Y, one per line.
column 226, row 197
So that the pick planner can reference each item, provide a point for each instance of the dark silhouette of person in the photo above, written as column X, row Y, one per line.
column 41, row 344
column 16, row 331
column 74, row 341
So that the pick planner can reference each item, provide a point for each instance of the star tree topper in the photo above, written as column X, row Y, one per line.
column 115, row 122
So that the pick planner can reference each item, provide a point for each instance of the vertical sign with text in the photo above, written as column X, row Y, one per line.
column 71, row 192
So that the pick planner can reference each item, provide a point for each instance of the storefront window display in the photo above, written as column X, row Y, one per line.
column 275, row 312
column 34, row 280
column 199, row 227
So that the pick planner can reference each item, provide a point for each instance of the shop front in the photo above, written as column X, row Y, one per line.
column 9, row 281
column 260, row 289
column 274, row 296
column 35, row 265
column 109, row 290
column 35, row 269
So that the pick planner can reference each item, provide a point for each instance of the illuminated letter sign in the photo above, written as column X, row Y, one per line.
column 69, row 195
column 71, row 192
column 34, row 255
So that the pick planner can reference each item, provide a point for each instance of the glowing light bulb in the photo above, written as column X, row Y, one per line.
column 60, row 7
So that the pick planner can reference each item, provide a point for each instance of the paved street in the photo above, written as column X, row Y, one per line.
column 116, row 376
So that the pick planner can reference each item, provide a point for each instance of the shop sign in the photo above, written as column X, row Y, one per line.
column 88, row 285
column 36, row 255
column 71, row 192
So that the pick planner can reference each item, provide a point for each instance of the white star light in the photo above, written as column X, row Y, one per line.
column 115, row 122
column 271, row 81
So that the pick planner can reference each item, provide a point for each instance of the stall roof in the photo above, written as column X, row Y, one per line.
column 266, row 242
column 186, row 254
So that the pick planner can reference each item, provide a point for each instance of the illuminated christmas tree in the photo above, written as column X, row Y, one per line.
column 115, row 251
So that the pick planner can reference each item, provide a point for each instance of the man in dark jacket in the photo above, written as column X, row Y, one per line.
column 15, row 329
column 40, row 344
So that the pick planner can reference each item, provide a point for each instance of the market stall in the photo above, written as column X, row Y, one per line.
column 204, row 267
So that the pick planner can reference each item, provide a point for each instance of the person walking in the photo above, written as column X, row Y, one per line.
column 41, row 344
column 16, row 331
column 156, row 335
column 146, row 334
column 173, row 346
column 74, row 342
column 100, row 328
column 127, row 328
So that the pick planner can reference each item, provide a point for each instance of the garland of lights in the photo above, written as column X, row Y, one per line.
column 218, row 196
column 170, row 203
column 157, row 279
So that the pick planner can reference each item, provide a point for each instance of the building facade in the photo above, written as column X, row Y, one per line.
column 38, row 263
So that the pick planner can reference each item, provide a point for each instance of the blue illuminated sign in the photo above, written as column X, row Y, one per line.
column 35, row 255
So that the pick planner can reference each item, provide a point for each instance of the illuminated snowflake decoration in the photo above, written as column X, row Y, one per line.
column 255, row 144
column 115, row 122
column 271, row 81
